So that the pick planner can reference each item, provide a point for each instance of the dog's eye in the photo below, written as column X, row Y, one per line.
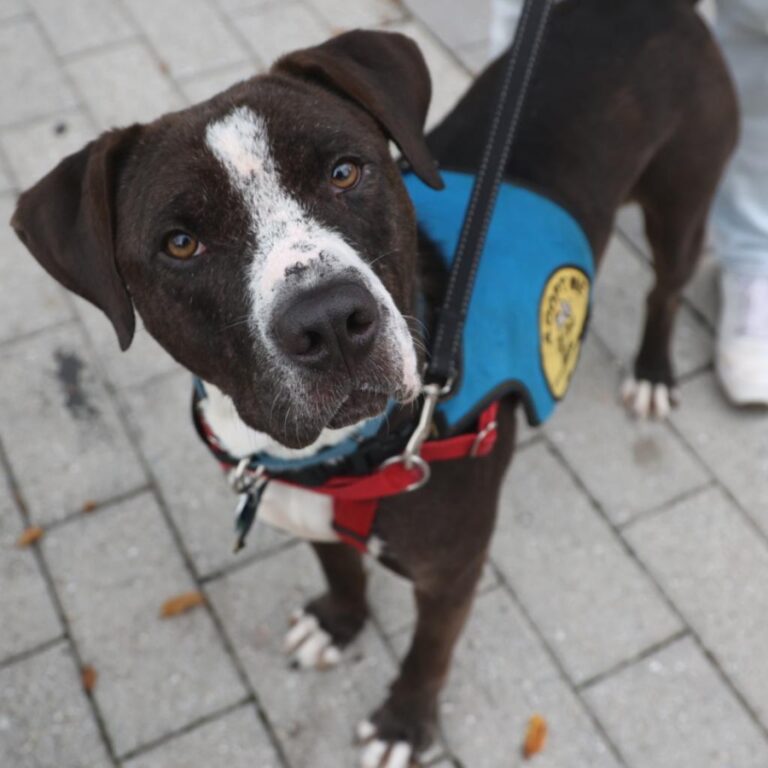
column 345, row 175
column 181, row 245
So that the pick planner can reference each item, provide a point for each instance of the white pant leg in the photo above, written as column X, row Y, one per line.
column 740, row 216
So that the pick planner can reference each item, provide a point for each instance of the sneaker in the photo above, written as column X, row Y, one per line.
column 742, row 342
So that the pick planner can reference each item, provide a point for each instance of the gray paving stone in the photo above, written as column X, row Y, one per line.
column 60, row 428
column 343, row 15
column 313, row 713
column 234, row 7
column 81, row 24
column 291, row 26
column 115, row 569
column 619, row 313
column 5, row 179
column 189, row 36
column 629, row 221
column 36, row 148
column 592, row 603
column 455, row 29
column 123, row 84
column 449, row 79
column 732, row 442
column 30, row 299
column 474, row 56
column 45, row 719
column 12, row 8
column 145, row 359
column 32, row 84
column 202, row 87
column 236, row 740
column 627, row 466
column 672, row 710
column 193, row 486
column 500, row 678
column 714, row 567
column 27, row 616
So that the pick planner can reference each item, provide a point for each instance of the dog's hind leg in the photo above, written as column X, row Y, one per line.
column 405, row 724
column 323, row 627
column 676, row 191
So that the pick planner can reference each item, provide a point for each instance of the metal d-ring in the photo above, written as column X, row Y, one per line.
column 416, row 463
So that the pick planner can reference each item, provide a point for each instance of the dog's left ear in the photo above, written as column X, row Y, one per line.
column 385, row 73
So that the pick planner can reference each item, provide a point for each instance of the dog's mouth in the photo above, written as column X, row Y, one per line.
column 359, row 405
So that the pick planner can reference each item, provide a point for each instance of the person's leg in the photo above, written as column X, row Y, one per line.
column 740, row 217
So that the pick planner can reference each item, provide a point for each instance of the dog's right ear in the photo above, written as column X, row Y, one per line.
column 67, row 221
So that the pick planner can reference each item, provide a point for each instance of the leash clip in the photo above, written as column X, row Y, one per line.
column 411, row 455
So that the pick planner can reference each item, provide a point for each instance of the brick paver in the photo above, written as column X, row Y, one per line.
column 626, row 598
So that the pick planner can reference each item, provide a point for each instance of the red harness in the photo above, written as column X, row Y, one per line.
column 356, row 498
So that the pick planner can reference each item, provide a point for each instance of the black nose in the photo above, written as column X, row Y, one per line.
column 329, row 327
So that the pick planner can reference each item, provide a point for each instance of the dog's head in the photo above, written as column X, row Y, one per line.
column 265, row 236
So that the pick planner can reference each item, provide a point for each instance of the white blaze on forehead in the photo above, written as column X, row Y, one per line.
column 286, row 238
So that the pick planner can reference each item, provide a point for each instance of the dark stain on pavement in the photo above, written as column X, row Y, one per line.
column 69, row 369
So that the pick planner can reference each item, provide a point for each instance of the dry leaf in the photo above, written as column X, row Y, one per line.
column 535, row 737
column 30, row 536
column 89, row 506
column 88, row 675
column 181, row 604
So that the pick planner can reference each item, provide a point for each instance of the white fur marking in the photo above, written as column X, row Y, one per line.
column 309, row 645
column 286, row 236
column 646, row 400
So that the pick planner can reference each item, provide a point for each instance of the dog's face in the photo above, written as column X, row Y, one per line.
column 265, row 237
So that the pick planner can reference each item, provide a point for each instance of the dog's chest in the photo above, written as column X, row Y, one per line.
column 298, row 512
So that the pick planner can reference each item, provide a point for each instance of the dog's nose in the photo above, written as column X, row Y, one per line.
column 329, row 327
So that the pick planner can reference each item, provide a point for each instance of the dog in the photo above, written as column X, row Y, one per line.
column 268, row 242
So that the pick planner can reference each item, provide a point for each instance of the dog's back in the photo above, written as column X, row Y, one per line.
column 616, row 81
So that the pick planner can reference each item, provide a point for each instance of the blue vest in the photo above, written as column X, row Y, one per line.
column 530, row 303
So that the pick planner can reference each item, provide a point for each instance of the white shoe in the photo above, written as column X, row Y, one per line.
column 742, row 341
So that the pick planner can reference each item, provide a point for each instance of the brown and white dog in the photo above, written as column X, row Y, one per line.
column 268, row 243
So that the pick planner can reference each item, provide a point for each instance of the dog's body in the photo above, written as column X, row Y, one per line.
column 631, row 101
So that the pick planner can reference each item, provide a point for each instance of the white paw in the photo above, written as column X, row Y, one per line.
column 309, row 645
column 376, row 753
column 645, row 400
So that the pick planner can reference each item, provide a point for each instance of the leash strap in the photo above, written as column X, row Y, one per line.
column 444, row 362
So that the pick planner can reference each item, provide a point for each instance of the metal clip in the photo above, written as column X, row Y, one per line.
column 242, row 479
column 412, row 450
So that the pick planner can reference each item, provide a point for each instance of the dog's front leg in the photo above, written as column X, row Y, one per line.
column 405, row 723
column 325, row 625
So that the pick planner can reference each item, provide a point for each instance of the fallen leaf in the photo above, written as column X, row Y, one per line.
column 535, row 737
column 88, row 675
column 181, row 604
column 30, row 536
column 89, row 506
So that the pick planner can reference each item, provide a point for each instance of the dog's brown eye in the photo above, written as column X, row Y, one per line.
column 345, row 175
column 182, row 245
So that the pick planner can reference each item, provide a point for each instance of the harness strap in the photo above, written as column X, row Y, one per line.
column 444, row 362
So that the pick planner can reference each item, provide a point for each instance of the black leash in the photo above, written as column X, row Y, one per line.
column 444, row 362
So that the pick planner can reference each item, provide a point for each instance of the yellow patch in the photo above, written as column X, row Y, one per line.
column 562, row 316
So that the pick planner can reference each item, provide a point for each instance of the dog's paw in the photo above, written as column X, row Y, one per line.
column 308, row 645
column 378, row 752
column 646, row 400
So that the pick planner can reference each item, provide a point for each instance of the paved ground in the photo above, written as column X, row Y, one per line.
column 627, row 600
